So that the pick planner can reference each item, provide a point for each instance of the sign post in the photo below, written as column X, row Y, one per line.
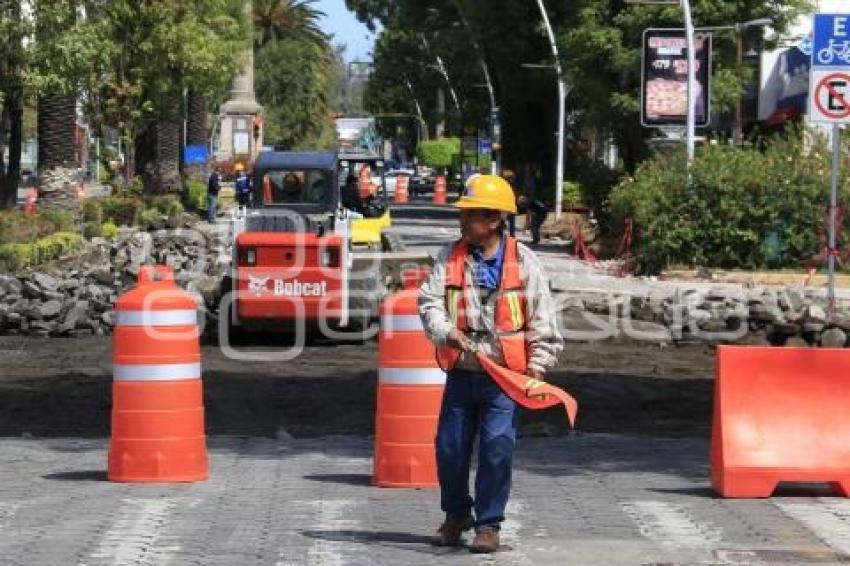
column 830, row 103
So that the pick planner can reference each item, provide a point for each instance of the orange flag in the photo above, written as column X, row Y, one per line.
column 529, row 392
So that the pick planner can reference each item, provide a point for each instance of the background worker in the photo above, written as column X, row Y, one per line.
column 537, row 210
column 486, row 293
column 243, row 186
column 213, row 187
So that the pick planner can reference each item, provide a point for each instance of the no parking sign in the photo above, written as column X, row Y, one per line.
column 831, row 97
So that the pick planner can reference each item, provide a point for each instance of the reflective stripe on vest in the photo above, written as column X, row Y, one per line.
column 156, row 318
column 411, row 376
column 510, row 316
column 156, row 372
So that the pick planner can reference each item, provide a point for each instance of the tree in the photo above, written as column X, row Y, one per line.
column 601, row 49
column 57, row 104
column 153, row 51
column 599, row 43
column 13, row 28
column 197, row 127
column 287, row 19
column 293, row 81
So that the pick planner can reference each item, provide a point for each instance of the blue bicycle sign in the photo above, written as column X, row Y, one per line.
column 836, row 53
column 831, row 42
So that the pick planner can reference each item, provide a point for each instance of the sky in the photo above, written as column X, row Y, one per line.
column 346, row 29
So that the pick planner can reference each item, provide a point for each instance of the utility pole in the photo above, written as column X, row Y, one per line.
column 562, row 110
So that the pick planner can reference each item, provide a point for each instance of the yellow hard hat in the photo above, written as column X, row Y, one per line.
column 488, row 192
column 239, row 167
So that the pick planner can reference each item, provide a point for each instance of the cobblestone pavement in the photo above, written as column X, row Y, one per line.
column 584, row 500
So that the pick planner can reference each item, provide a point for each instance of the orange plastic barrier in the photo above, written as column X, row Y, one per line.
column 402, row 189
column 440, row 190
column 410, row 391
column 780, row 415
column 157, row 398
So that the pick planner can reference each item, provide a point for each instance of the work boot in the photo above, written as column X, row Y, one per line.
column 450, row 532
column 486, row 541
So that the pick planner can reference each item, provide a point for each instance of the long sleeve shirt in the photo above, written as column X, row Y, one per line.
column 542, row 335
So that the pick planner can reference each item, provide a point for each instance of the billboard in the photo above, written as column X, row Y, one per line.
column 664, row 86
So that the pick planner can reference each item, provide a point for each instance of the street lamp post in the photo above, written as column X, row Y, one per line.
column 692, row 72
column 562, row 110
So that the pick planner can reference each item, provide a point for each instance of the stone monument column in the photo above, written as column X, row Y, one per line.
column 240, row 117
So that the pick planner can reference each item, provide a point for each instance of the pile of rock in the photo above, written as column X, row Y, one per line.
column 77, row 304
column 761, row 316
column 77, row 298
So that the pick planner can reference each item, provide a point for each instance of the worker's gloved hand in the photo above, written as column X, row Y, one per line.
column 460, row 341
column 535, row 380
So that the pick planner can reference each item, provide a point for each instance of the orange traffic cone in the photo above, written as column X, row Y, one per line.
column 402, row 186
column 780, row 415
column 30, row 200
column 440, row 190
column 157, row 405
column 529, row 392
column 410, row 391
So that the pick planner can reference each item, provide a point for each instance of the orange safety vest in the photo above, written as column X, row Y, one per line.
column 510, row 325
column 510, row 307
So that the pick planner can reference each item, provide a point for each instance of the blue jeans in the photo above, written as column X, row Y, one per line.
column 212, row 208
column 474, row 404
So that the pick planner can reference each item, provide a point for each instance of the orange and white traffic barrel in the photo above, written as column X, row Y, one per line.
column 440, row 190
column 30, row 200
column 402, row 189
column 410, row 391
column 157, row 397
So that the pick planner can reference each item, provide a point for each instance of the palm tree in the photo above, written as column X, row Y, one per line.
column 56, row 122
column 158, row 146
column 197, row 127
column 287, row 19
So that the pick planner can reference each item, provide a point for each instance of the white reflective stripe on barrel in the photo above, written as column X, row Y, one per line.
column 187, row 317
column 401, row 323
column 412, row 376
column 156, row 372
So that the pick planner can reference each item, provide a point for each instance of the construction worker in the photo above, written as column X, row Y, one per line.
column 213, row 188
column 488, row 294
column 243, row 186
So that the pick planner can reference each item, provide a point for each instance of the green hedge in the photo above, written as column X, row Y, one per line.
column 439, row 153
column 744, row 208
column 17, row 227
column 121, row 210
column 168, row 205
column 14, row 257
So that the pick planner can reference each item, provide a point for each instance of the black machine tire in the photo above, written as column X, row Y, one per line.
column 392, row 243
column 235, row 333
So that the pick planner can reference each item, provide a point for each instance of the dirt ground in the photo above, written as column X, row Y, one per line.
column 61, row 388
